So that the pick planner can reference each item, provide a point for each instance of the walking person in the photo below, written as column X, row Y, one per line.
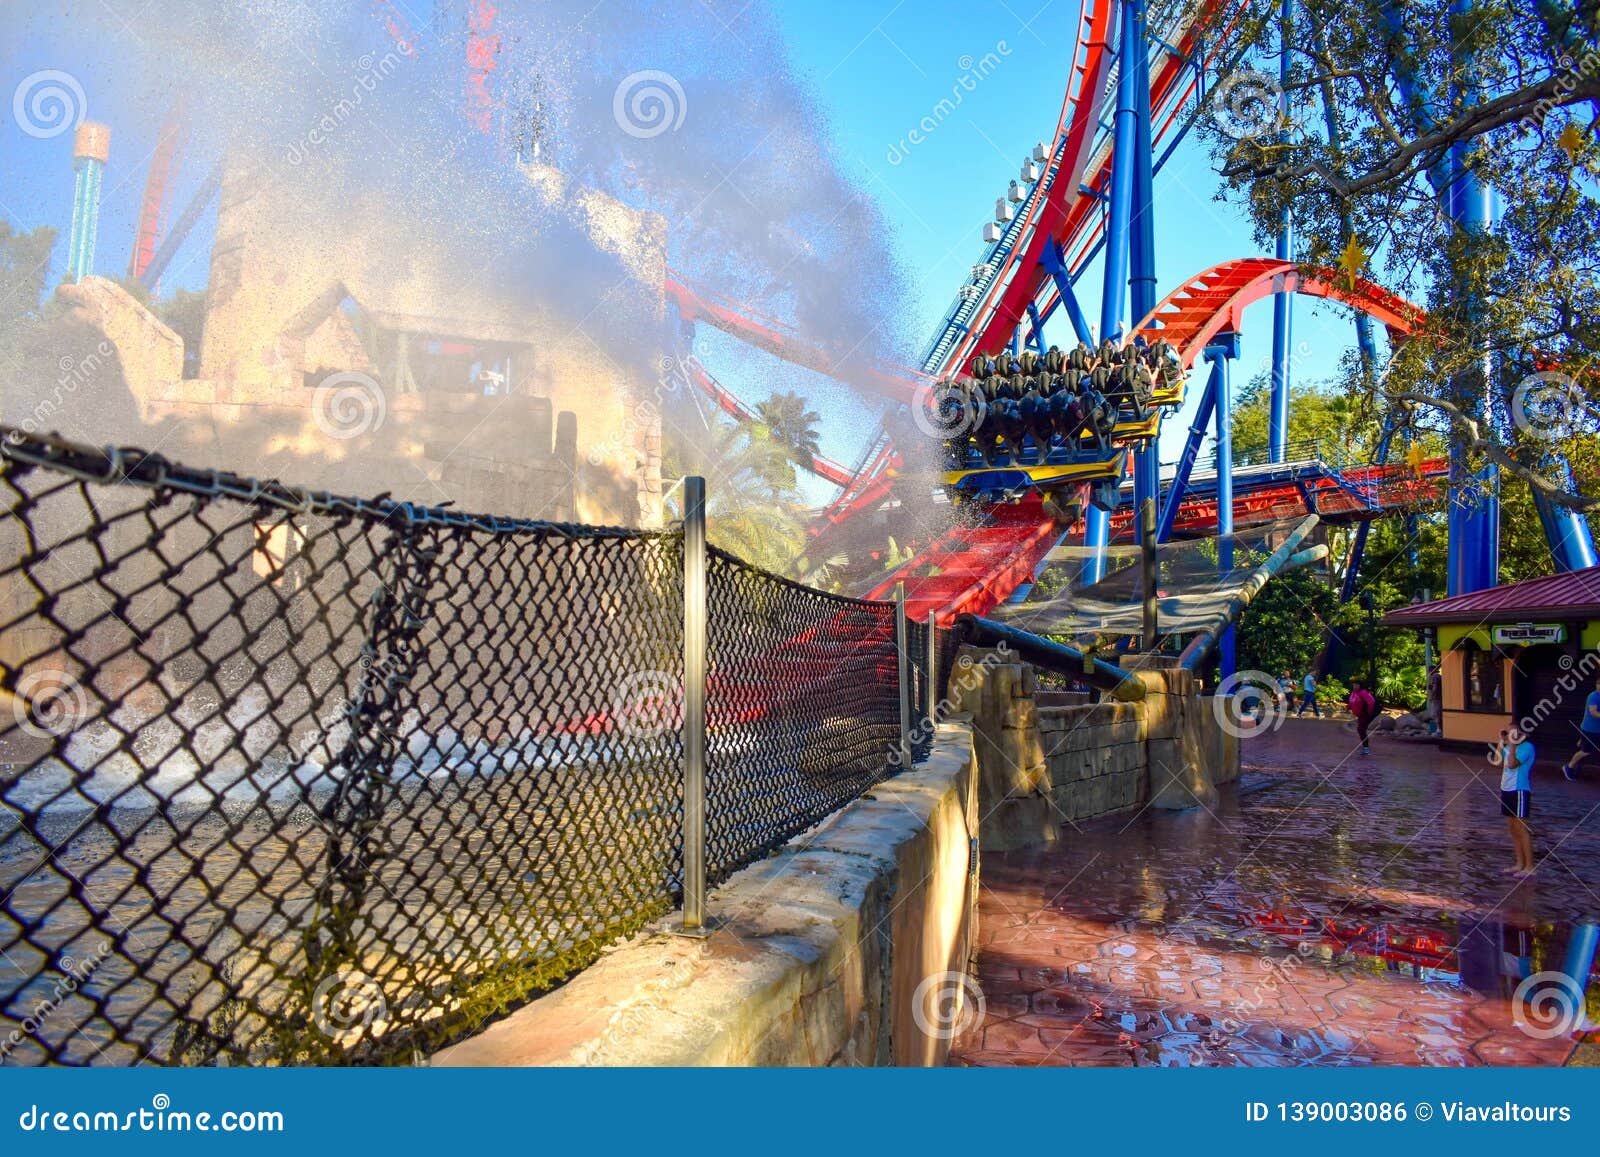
column 1308, row 698
column 1588, row 733
column 1364, row 706
column 1515, row 756
column 1285, row 693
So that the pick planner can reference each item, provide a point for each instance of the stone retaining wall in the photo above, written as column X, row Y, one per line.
column 1041, row 765
column 847, row 947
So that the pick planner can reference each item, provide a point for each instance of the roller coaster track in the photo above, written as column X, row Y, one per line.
column 824, row 468
column 972, row 570
column 1059, row 210
column 895, row 383
column 1213, row 302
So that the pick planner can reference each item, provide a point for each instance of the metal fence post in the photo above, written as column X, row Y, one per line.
column 903, row 663
column 1150, row 574
column 930, row 668
column 694, row 704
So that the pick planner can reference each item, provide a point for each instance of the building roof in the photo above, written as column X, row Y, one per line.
column 1573, row 595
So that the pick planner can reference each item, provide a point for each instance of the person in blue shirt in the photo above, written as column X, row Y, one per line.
column 1309, row 699
column 1588, row 733
column 1515, row 756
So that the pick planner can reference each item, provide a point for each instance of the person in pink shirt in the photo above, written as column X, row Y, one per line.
column 1365, row 708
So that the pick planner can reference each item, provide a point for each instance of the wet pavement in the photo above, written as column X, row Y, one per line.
column 1334, row 909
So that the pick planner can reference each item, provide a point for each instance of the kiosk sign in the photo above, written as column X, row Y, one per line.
column 1526, row 634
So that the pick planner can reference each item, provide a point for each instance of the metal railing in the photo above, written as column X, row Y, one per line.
column 291, row 778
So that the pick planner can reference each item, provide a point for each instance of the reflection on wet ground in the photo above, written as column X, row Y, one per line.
column 1331, row 911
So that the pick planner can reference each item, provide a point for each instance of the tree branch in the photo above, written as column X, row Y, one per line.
column 1498, row 454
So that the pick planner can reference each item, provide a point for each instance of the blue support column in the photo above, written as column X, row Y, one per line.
column 1282, row 303
column 1224, row 348
column 1191, row 451
column 1567, row 531
column 1125, row 138
column 1141, row 224
column 1056, row 267
column 1141, row 233
column 1036, row 333
column 1096, row 537
column 1474, row 551
column 1119, row 219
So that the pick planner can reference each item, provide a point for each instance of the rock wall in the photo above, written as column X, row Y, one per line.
column 850, row 946
column 1042, row 763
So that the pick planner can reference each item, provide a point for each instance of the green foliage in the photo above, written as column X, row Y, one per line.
column 1283, row 629
column 791, row 423
column 1379, row 94
column 753, row 508
column 24, row 275
column 185, row 313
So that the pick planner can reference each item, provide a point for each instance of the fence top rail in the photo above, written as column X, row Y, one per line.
column 131, row 466
column 849, row 600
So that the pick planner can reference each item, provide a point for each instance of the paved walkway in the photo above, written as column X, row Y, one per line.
column 1336, row 909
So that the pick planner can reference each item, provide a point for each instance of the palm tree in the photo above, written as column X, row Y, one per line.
column 785, row 414
column 752, row 507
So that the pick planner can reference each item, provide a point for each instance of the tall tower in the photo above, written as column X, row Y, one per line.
column 90, row 148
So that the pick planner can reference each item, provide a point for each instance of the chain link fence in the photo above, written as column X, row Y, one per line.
column 291, row 778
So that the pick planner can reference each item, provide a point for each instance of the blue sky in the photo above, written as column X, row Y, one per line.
column 875, row 68
column 879, row 66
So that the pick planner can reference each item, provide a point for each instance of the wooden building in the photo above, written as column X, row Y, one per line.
column 1526, row 652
